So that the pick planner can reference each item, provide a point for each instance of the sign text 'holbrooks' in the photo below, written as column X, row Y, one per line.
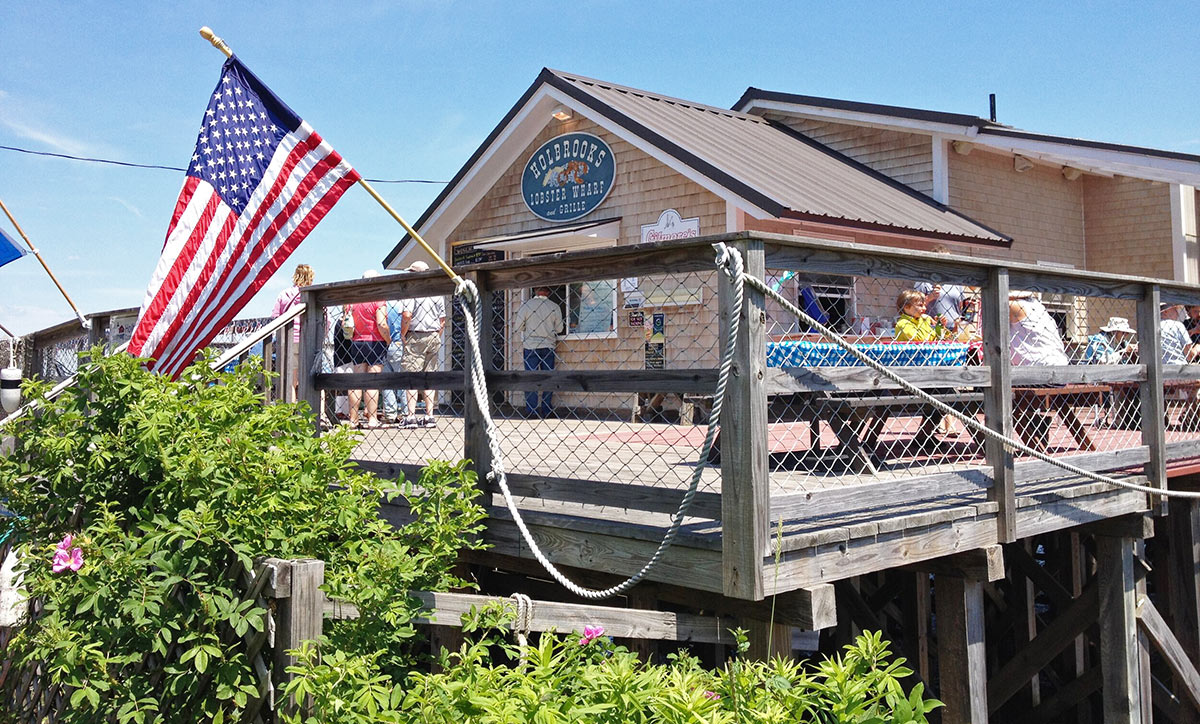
column 568, row 177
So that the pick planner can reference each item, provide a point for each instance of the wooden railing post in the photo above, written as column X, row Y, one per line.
column 475, row 442
column 299, row 612
column 1151, row 397
column 312, row 339
column 745, row 498
column 998, row 401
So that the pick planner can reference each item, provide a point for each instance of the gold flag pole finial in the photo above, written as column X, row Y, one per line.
column 208, row 34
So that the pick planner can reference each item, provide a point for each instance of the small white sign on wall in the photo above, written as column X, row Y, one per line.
column 671, row 226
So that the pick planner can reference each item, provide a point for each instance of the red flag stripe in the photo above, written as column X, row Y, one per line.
column 202, row 288
column 266, row 259
column 311, row 219
column 246, row 255
column 201, row 208
column 203, row 235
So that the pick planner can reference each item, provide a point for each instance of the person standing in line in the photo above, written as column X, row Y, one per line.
column 393, row 399
column 421, row 324
column 539, row 322
column 287, row 299
column 368, row 348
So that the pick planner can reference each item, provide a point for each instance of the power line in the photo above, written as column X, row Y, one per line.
column 176, row 168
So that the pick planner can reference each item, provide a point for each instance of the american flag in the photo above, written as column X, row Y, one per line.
column 259, row 181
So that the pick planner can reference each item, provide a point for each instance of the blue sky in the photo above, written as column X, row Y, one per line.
column 407, row 90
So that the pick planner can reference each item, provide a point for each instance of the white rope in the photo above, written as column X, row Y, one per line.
column 523, row 623
column 730, row 261
column 971, row 422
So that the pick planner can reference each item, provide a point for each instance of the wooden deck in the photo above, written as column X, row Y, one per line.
column 786, row 508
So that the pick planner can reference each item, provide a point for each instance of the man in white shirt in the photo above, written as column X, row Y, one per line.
column 1033, row 336
column 539, row 322
column 1177, row 347
column 421, row 323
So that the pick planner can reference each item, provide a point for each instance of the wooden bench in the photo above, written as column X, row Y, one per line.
column 1034, row 409
column 1179, row 394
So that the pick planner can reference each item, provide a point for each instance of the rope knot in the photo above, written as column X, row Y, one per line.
column 728, row 259
column 465, row 288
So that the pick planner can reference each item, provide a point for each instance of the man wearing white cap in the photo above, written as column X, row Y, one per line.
column 423, row 320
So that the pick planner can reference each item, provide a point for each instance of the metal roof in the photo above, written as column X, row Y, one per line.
column 770, row 165
column 778, row 169
column 983, row 125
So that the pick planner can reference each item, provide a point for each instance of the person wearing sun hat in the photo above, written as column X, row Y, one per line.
column 1112, row 345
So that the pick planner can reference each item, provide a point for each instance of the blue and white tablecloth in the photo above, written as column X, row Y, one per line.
column 800, row 353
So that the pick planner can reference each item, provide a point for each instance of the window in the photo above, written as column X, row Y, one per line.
column 592, row 307
column 833, row 295
column 589, row 308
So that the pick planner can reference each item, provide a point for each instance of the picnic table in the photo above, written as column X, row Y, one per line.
column 1034, row 409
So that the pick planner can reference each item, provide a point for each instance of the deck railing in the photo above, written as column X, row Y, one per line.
column 800, row 440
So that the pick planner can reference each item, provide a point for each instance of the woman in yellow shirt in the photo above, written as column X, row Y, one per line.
column 913, row 325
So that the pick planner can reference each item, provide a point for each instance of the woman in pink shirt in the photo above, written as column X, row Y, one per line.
column 368, row 348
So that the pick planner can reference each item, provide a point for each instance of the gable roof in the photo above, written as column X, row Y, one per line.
column 1137, row 161
column 768, row 166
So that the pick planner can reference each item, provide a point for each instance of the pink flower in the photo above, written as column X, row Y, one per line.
column 66, row 557
column 590, row 634
column 711, row 695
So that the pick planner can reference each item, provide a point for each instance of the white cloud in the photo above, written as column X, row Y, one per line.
column 132, row 209
column 23, row 124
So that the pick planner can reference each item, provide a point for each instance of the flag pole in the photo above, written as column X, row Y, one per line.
column 82, row 320
column 208, row 34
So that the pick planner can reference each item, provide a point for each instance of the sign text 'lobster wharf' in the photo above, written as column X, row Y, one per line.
column 568, row 177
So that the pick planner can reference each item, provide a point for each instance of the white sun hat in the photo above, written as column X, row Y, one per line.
column 1118, row 324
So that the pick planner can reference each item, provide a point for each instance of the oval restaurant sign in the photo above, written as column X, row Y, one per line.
column 568, row 177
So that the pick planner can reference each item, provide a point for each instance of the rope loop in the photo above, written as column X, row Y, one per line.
column 466, row 289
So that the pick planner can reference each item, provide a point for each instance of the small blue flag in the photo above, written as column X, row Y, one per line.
column 9, row 251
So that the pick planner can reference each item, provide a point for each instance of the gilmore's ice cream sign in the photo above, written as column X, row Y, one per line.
column 568, row 177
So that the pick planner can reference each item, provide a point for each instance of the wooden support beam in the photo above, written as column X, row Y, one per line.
column 808, row 609
column 447, row 609
column 983, row 564
column 962, row 662
column 1022, row 666
column 745, row 498
column 1183, row 573
column 1073, row 694
column 1172, row 706
column 1024, row 563
column 768, row 640
column 1151, row 391
column 1138, row 526
column 1152, row 623
column 1118, row 630
column 998, row 401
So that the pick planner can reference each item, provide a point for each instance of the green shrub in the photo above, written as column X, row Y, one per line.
column 564, row 679
column 169, row 491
